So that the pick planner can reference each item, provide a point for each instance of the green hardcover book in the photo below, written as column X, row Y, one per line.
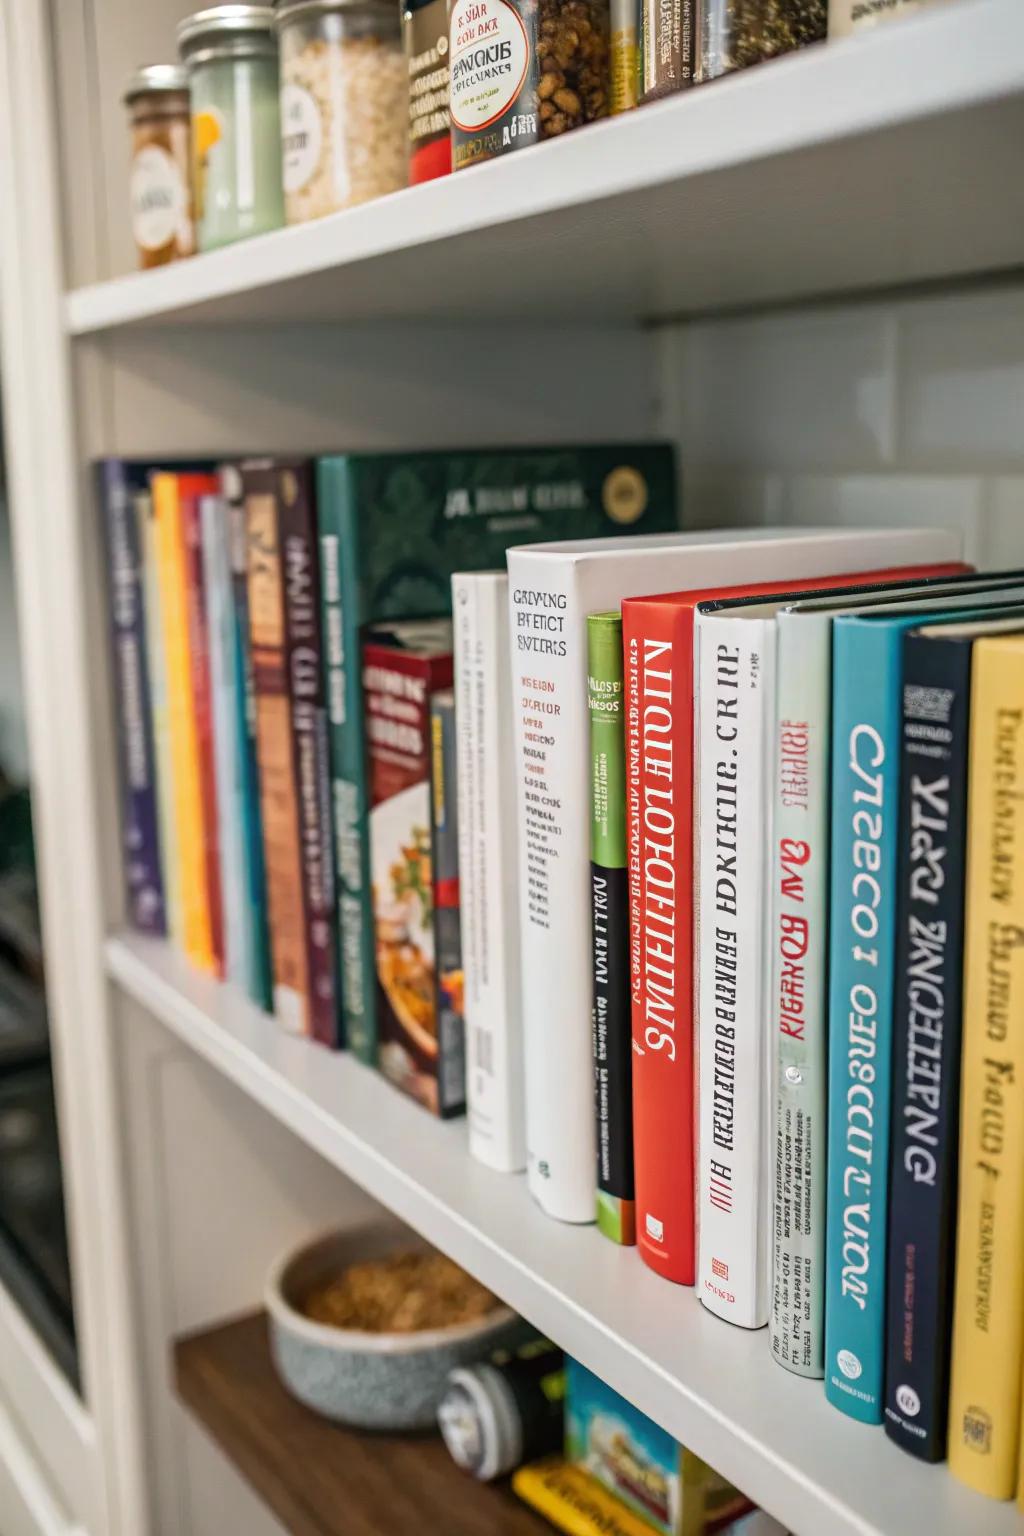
column 609, row 886
column 393, row 529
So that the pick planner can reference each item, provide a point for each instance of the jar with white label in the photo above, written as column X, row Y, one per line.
column 344, row 104
column 157, row 99
column 230, row 52
column 848, row 16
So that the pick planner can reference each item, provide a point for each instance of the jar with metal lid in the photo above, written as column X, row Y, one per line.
column 735, row 33
column 157, row 99
column 344, row 104
column 231, row 55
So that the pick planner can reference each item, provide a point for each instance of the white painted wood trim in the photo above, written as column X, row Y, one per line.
column 48, row 556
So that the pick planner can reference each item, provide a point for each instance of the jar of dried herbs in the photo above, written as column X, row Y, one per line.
column 735, row 33
column 344, row 104
column 524, row 70
column 157, row 99
column 231, row 55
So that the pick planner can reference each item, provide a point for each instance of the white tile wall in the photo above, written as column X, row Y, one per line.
column 885, row 413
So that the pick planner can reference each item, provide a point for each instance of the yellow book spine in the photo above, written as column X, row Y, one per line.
column 197, row 935
column 155, row 657
column 988, row 1312
column 574, row 1501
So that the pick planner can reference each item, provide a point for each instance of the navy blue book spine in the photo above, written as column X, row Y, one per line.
column 139, row 824
column 926, row 1046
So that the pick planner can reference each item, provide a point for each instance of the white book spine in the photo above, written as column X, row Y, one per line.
column 799, row 947
column 488, row 872
column 734, row 667
column 549, row 697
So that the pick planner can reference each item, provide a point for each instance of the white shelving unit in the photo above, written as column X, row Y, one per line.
column 546, row 297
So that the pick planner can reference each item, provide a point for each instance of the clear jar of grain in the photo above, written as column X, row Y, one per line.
column 344, row 104
column 735, row 33
column 157, row 99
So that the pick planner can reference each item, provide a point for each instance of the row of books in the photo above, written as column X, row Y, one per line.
column 654, row 942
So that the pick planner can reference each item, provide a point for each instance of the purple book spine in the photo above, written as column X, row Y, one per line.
column 140, row 836
column 299, row 552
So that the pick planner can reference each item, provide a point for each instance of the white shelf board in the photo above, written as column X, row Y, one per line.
column 714, row 1386
column 886, row 159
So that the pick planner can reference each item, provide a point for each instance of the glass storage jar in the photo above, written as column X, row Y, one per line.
column 735, row 33
column 231, row 55
column 160, row 197
column 344, row 104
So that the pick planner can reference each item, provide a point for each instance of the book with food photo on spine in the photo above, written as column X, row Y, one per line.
column 403, row 666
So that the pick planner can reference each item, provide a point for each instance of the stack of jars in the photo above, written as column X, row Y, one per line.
column 276, row 114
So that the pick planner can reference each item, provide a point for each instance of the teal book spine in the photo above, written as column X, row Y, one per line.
column 342, row 606
column 866, row 715
column 259, row 978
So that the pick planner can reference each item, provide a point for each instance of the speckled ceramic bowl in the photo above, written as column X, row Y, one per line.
column 388, row 1381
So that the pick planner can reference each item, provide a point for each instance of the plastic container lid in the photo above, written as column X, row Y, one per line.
column 155, row 77
column 222, row 23
column 287, row 11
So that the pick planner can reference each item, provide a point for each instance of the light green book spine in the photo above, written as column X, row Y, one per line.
column 798, row 1006
column 613, row 1088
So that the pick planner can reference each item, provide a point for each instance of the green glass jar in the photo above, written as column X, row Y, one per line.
column 230, row 52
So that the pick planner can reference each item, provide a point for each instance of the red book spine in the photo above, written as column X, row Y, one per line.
column 191, row 488
column 658, row 648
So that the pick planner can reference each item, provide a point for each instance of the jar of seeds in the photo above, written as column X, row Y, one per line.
column 735, row 33
column 344, row 104
column 161, row 200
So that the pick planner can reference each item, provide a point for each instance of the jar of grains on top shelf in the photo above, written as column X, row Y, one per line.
column 735, row 33
column 344, row 104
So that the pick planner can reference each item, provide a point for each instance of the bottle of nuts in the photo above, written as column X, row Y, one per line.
column 157, row 98
column 524, row 70
column 344, row 104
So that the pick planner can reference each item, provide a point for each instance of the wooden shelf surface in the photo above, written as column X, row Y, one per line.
column 319, row 1478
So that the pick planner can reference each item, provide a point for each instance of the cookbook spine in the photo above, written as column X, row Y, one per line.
column 184, row 751
column 735, row 677
column 259, row 973
column 156, row 672
column 658, row 662
column 217, row 581
column 309, row 742
column 342, row 622
column 988, row 1307
column 926, row 1052
column 798, row 1004
column 278, row 789
column 451, row 1029
column 488, row 872
column 547, row 620
column 199, row 654
column 865, row 751
column 609, row 883
column 144, row 884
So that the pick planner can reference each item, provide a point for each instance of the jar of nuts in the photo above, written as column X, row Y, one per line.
column 344, row 104
column 523, row 70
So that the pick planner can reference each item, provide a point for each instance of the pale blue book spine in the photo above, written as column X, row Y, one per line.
column 227, row 748
column 866, row 662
